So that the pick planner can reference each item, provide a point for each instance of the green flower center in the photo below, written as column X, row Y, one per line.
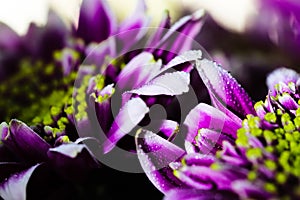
column 37, row 91
column 278, row 133
column 40, row 94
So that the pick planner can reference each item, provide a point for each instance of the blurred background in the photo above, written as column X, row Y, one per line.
column 18, row 14
column 246, row 36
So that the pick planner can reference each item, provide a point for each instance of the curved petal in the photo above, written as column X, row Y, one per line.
column 128, row 117
column 138, row 71
column 101, row 101
column 9, row 168
column 226, row 93
column 64, row 157
column 283, row 75
column 69, row 150
column 155, row 154
column 171, row 84
column 210, row 141
column 248, row 190
column 163, row 27
column 198, row 159
column 9, row 39
column 197, row 171
column 203, row 177
column 208, row 117
column 96, row 22
column 137, row 19
column 24, row 142
column 231, row 156
column 133, row 29
column 97, row 54
column 288, row 102
column 15, row 186
column 169, row 129
column 187, row 56
column 180, row 36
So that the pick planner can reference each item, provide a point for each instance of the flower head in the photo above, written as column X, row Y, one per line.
column 42, row 93
column 115, row 96
column 226, row 157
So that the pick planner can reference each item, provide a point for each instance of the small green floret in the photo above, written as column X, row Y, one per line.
column 270, row 164
column 270, row 187
column 252, row 175
column 254, row 153
column 242, row 138
column 270, row 117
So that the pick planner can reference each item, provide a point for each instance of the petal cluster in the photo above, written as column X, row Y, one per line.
column 65, row 103
column 250, row 154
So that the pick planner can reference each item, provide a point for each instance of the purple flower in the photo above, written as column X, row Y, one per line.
column 116, row 99
column 56, row 69
column 52, row 144
column 270, row 40
column 25, row 152
column 225, row 157
column 143, row 82
column 280, row 20
column 37, row 71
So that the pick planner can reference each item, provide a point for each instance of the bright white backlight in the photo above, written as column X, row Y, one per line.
column 231, row 14
column 19, row 13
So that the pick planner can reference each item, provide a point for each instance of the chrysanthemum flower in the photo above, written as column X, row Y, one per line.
column 41, row 93
column 270, row 39
column 225, row 157
column 112, row 99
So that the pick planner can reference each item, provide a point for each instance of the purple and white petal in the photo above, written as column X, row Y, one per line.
column 155, row 154
column 71, row 151
column 247, row 190
column 133, row 28
column 208, row 117
column 169, row 129
column 283, row 75
column 180, row 36
column 171, row 84
column 98, row 53
column 230, row 155
column 210, row 141
column 138, row 71
column 288, row 102
column 101, row 102
column 163, row 27
column 24, row 142
column 15, row 186
column 204, row 178
column 64, row 157
column 226, row 93
column 187, row 56
column 199, row 159
column 128, row 117
column 166, row 129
